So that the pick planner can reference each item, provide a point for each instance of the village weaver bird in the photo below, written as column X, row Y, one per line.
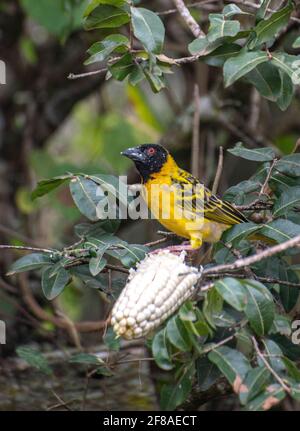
column 179, row 200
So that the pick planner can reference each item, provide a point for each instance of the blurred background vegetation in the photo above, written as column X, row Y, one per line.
column 50, row 125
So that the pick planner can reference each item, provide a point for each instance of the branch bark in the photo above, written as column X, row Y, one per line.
column 189, row 20
column 41, row 314
column 250, row 260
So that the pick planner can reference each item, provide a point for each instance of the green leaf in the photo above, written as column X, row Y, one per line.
column 241, row 64
column 106, row 16
column 131, row 254
column 221, row 27
column 282, row 325
column 289, row 165
column 273, row 395
column 232, row 9
column 136, row 75
column 232, row 364
column 155, row 78
column 267, row 80
column 233, row 292
column 288, row 294
column 265, row 4
column 292, row 368
column 267, row 29
column 94, row 3
column 160, row 351
column 295, row 391
column 286, row 91
column 173, row 395
column 177, row 334
column 244, row 342
column 239, row 232
column 99, row 51
column 260, row 308
column 273, row 354
column 254, row 383
column 30, row 262
column 54, row 284
column 123, row 67
column 238, row 193
column 111, row 341
column 85, row 194
column 255, row 154
column 86, row 358
column 218, row 57
column 207, row 373
column 296, row 43
column 113, row 186
column 148, row 29
column 54, row 16
column 290, row 64
column 213, row 305
column 97, row 264
column 35, row 359
column 286, row 201
column 187, row 312
column 280, row 230
column 289, row 349
column 46, row 186
column 198, row 45
column 199, row 328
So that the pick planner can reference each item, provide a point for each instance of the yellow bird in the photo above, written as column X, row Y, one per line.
column 180, row 201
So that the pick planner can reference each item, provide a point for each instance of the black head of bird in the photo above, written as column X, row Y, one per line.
column 148, row 158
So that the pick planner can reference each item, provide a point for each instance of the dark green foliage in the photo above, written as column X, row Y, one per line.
column 273, row 74
column 218, row 334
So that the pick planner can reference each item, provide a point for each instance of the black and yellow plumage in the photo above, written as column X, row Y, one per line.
column 201, row 223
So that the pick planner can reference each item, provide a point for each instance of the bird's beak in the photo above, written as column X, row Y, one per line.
column 134, row 154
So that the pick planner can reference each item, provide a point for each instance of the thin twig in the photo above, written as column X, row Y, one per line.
column 12, row 233
column 219, row 171
column 158, row 241
column 201, row 4
column 265, row 184
column 257, row 6
column 262, row 279
column 41, row 314
column 239, row 326
column 195, row 162
column 70, row 325
column 216, row 345
column 25, row 248
column 61, row 401
column 256, row 205
column 85, row 74
column 268, row 366
column 189, row 20
column 250, row 260
column 117, row 268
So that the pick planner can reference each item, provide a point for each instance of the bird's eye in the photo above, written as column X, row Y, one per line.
column 151, row 151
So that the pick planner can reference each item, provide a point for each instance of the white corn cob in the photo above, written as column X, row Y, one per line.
column 155, row 290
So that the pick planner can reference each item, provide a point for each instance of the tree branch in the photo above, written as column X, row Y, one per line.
column 250, row 260
column 195, row 162
column 268, row 366
column 219, row 171
column 85, row 74
column 189, row 20
column 26, row 248
column 41, row 314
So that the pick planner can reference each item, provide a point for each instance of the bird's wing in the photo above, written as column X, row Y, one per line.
column 198, row 201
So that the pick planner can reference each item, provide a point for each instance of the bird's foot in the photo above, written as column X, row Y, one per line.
column 185, row 246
